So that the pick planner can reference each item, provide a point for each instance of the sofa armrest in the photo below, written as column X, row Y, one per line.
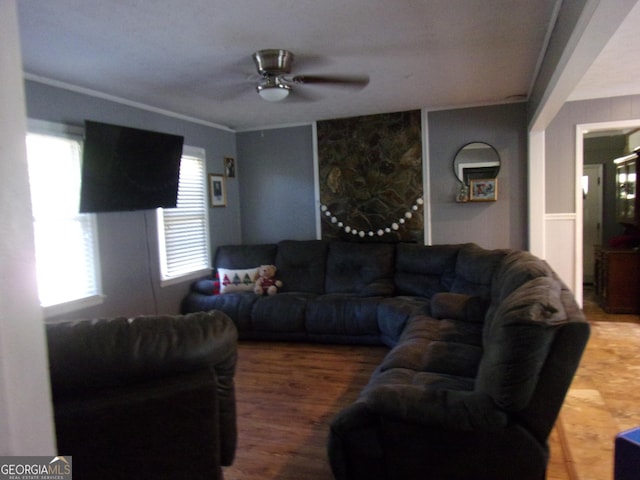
column 355, row 427
column 449, row 409
column 206, row 286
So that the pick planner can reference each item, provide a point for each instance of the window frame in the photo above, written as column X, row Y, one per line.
column 165, row 279
column 76, row 133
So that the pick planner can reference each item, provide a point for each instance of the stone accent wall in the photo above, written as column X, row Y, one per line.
column 371, row 184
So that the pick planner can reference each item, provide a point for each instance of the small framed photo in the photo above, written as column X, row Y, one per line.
column 229, row 167
column 217, row 190
column 483, row 190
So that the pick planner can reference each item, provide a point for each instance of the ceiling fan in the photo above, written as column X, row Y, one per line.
column 274, row 84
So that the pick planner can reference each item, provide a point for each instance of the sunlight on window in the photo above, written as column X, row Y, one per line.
column 64, row 239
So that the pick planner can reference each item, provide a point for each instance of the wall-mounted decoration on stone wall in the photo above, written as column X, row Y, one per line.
column 371, row 177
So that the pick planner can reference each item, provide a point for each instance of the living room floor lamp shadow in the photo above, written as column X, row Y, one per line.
column 371, row 178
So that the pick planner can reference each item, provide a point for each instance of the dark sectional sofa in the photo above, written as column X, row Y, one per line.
column 484, row 345
column 336, row 292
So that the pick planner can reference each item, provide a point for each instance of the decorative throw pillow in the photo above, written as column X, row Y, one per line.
column 242, row 280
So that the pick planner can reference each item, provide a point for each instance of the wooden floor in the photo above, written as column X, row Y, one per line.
column 604, row 398
column 287, row 394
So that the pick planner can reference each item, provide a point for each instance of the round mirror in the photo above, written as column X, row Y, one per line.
column 476, row 160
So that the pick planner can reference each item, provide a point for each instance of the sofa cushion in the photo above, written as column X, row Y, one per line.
column 281, row 313
column 427, row 380
column 517, row 340
column 364, row 269
column 245, row 256
column 475, row 268
column 447, row 347
column 424, row 270
column 237, row 305
column 445, row 408
column 393, row 314
column 301, row 265
column 340, row 314
column 458, row 306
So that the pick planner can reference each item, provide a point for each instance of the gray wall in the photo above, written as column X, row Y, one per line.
column 277, row 184
column 272, row 196
column 560, row 139
column 128, row 240
column 500, row 224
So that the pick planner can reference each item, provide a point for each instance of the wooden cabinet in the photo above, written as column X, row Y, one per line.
column 617, row 279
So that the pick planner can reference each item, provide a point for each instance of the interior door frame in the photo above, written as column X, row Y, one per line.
column 581, row 130
column 599, row 169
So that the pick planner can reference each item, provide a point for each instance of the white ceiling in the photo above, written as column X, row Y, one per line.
column 193, row 57
column 616, row 71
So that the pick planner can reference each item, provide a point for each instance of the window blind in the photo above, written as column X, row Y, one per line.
column 184, row 239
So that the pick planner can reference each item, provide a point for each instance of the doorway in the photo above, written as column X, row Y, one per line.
column 605, row 150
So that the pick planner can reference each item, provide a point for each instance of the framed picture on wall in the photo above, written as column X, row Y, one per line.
column 217, row 190
column 480, row 172
column 483, row 190
column 229, row 167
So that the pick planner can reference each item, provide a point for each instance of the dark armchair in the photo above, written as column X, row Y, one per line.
column 150, row 397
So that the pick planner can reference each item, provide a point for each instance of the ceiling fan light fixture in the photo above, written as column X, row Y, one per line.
column 273, row 61
column 275, row 85
column 273, row 91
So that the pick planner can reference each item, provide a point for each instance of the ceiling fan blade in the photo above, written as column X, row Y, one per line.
column 354, row 81
column 300, row 95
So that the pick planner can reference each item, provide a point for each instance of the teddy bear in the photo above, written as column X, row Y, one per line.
column 266, row 281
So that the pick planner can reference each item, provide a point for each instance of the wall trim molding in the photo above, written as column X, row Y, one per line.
column 426, row 179
column 122, row 101
column 316, row 180
column 562, row 250
column 536, row 171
